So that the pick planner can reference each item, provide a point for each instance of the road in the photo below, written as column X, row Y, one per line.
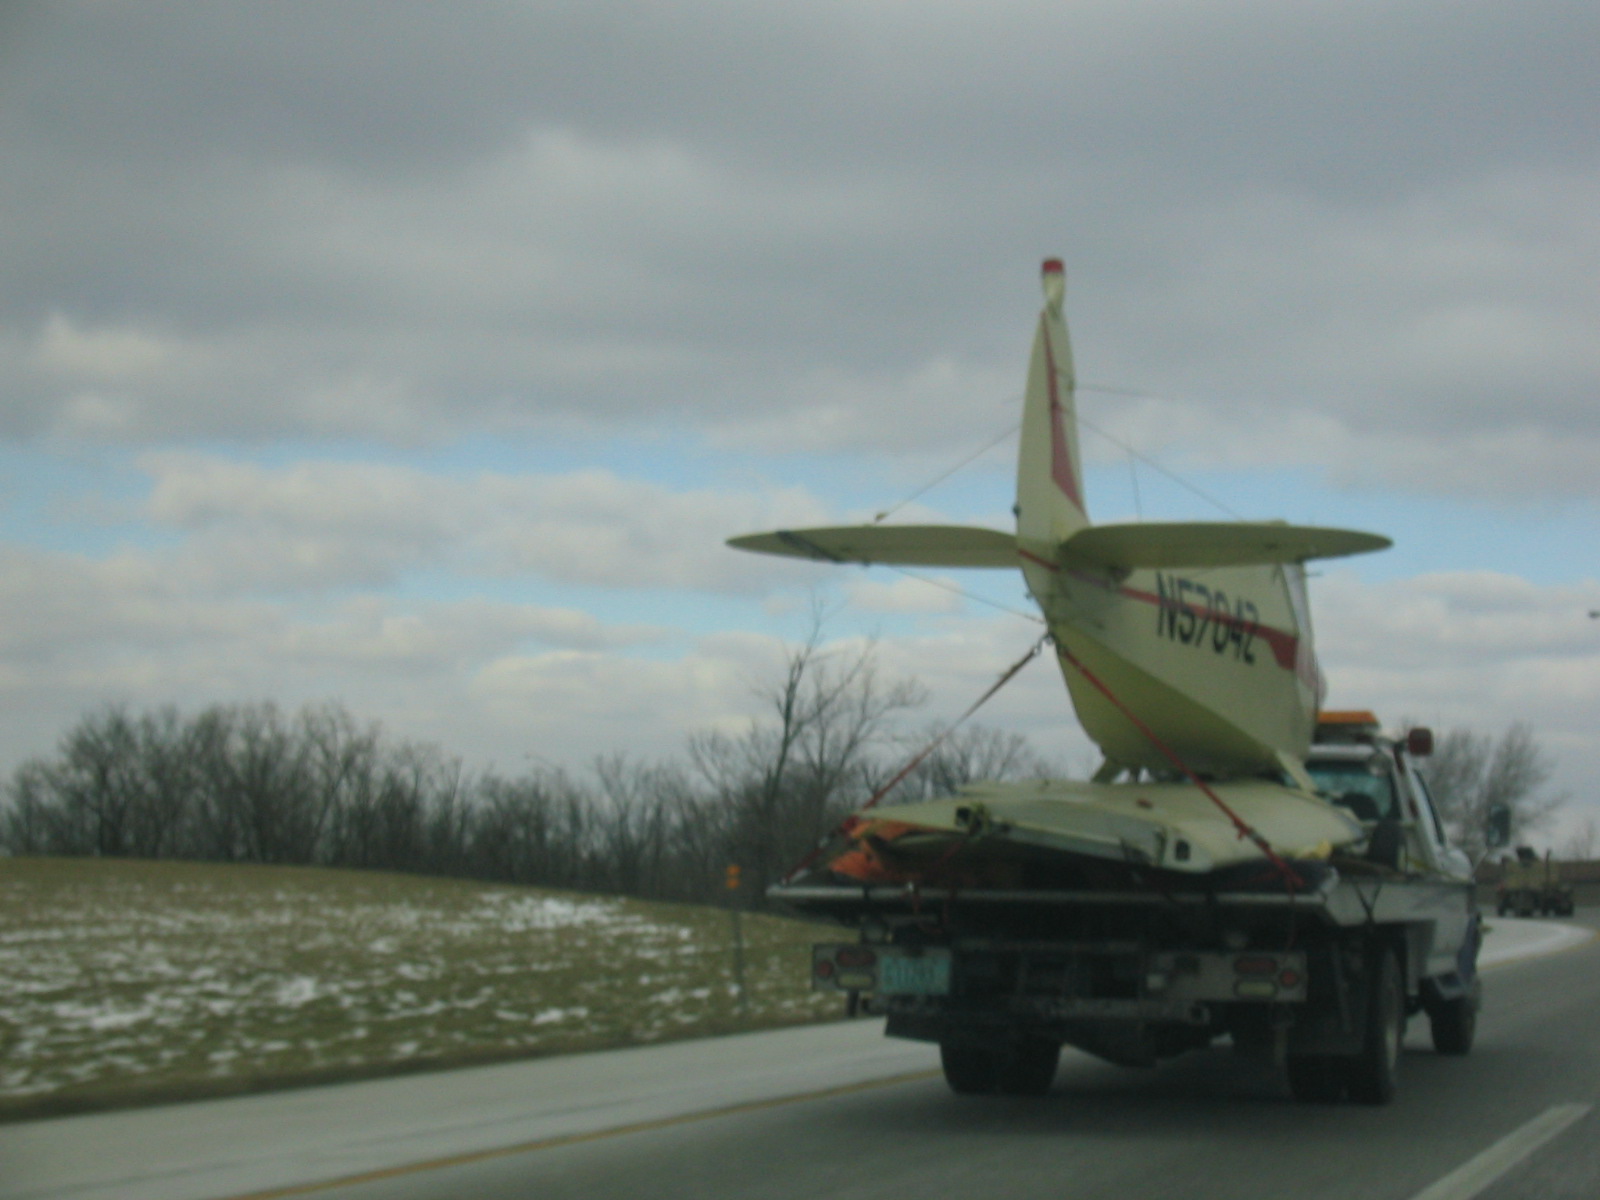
column 838, row 1111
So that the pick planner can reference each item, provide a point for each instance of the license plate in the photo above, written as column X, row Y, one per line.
column 924, row 975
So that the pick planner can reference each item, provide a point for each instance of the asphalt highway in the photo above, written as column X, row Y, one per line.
column 860, row 1117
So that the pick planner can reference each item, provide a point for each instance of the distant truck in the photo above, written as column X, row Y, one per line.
column 1135, row 964
column 1533, row 885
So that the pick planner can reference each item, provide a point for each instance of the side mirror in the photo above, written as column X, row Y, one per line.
column 1497, row 827
column 1419, row 742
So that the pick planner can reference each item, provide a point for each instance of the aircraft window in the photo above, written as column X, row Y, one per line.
column 1355, row 786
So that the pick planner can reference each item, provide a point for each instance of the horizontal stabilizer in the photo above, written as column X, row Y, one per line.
column 893, row 545
column 1213, row 544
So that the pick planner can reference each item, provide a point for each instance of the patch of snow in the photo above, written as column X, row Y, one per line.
column 551, row 1015
column 296, row 991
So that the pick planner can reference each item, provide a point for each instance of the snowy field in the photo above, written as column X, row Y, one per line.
column 126, row 977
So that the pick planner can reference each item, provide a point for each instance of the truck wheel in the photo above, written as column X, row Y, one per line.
column 1455, row 1023
column 1030, row 1068
column 1370, row 1076
column 970, row 1070
column 1315, row 1079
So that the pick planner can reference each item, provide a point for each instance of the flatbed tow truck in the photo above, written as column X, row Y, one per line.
column 1234, row 868
column 1136, row 965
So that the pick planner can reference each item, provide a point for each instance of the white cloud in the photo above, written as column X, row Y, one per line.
column 1476, row 650
column 596, row 528
column 327, row 524
column 497, row 681
column 1365, row 223
column 931, row 594
column 113, row 356
column 1354, row 241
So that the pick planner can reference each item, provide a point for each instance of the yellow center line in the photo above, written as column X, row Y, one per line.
column 574, row 1139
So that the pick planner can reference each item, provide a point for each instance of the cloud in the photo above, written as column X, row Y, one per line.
column 376, row 223
column 290, row 256
column 329, row 524
column 1477, row 650
column 931, row 594
column 498, row 681
column 76, row 634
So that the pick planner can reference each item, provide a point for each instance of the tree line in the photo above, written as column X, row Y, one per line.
column 251, row 783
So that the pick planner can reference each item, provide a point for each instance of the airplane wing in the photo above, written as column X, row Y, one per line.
column 1214, row 544
column 894, row 545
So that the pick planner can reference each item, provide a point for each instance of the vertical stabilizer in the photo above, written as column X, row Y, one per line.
column 1175, row 638
column 1050, row 505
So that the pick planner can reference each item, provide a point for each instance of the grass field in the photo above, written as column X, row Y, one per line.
column 126, row 980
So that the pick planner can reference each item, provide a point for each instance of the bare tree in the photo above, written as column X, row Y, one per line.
column 1472, row 773
column 783, row 783
column 533, row 829
column 99, row 780
column 121, row 785
column 164, row 754
column 250, row 783
column 34, row 820
column 972, row 754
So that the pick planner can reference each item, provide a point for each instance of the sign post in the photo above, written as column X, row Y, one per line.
column 732, row 882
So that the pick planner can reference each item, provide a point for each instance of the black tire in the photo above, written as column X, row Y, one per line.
column 1030, row 1068
column 1370, row 1076
column 1454, row 1023
column 970, row 1070
column 1316, row 1078
column 1025, row 1068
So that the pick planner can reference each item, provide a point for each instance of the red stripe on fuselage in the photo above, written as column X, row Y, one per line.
column 1285, row 646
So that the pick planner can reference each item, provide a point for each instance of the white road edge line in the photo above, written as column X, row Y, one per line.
column 1474, row 1175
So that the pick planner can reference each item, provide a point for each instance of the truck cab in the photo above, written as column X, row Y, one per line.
column 1374, row 776
column 1135, row 962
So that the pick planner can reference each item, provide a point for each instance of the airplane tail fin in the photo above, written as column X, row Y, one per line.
column 1053, row 524
column 1050, row 503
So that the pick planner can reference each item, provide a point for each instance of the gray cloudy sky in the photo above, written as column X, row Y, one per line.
column 422, row 355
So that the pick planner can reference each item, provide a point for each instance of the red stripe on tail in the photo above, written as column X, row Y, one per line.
column 1060, row 459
